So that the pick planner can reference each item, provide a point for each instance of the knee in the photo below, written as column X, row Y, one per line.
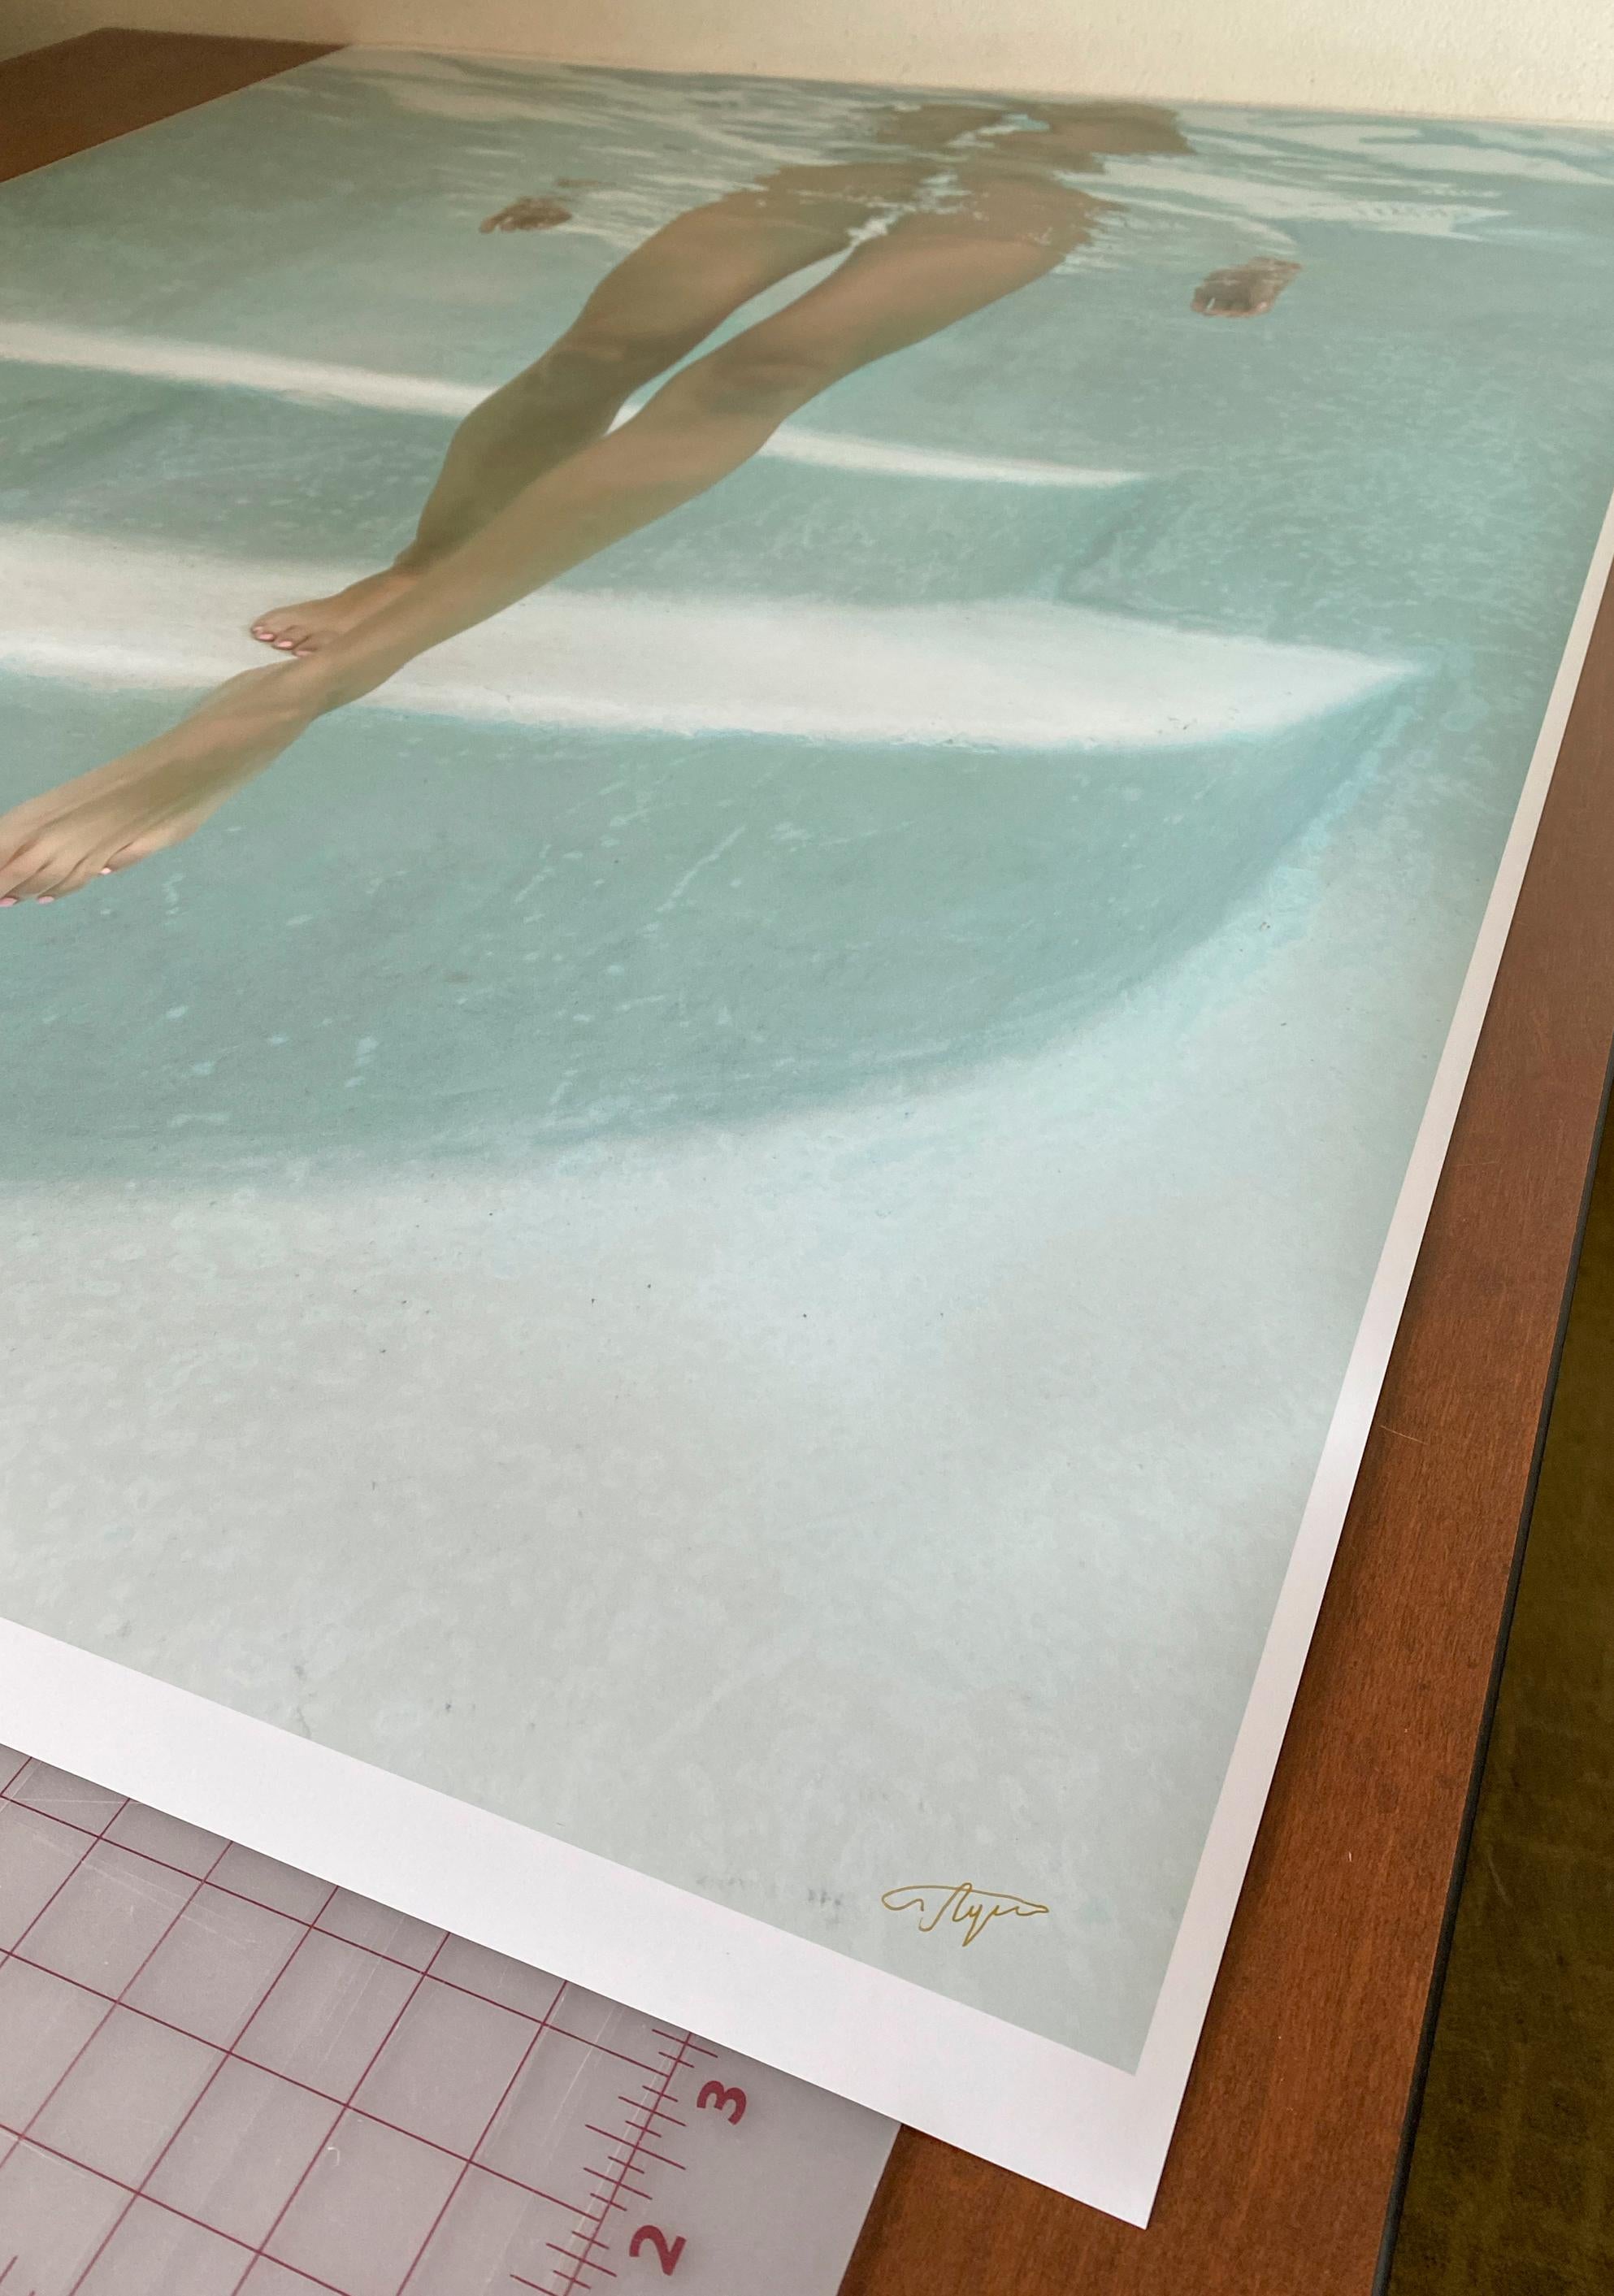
column 762, row 378
column 613, row 357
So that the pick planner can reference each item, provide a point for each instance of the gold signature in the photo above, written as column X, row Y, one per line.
column 974, row 1909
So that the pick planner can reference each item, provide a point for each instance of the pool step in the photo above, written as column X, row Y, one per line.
column 547, row 887
column 990, row 675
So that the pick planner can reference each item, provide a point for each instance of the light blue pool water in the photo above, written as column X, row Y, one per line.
column 556, row 1063
column 1377, row 467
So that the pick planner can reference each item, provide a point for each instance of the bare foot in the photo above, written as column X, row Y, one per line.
column 155, row 796
column 305, row 628
column 1245, row 289
column 535, row 215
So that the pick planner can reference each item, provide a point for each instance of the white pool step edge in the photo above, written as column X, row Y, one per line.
column 229, row 368
column 999, row 674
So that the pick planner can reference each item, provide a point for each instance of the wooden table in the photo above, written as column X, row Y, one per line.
column 1283, row 2177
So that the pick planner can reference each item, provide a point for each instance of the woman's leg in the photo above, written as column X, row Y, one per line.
column 644, row 317
column 923, row 276
column 926, row 274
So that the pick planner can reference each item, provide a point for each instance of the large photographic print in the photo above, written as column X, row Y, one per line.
column 740, row 826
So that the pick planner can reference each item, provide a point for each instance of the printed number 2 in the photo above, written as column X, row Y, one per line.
column 668, row 2252
column 731, row 2100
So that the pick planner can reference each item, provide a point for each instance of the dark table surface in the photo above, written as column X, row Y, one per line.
column 1283, row 2178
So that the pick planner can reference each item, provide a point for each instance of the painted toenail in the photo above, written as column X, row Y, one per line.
column 44, row 899
column 8, row 901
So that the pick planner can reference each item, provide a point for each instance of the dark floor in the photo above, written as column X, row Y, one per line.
column 1511, row 2190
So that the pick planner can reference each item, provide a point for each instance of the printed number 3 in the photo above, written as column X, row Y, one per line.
column 668, row 2252
column 731, row 2100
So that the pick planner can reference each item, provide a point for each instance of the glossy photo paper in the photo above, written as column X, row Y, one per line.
column 753, row 836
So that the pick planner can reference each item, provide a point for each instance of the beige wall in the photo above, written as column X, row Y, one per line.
column 1524, row 59
column 30, row 23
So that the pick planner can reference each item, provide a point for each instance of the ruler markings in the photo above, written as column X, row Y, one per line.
column 698, row 2049
column 508, row 2125
column 676, row 2061
column 657, row 2112
column 572, row 2256
column 645, row 2153
column 610, row 2201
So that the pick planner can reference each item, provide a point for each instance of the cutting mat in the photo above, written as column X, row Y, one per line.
column 219, row 2076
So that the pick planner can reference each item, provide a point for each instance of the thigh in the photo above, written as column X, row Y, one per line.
column 991, row 201
column 930, row 270
column 687, row 277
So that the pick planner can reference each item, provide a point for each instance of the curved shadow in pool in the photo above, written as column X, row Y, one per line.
column 412, row 942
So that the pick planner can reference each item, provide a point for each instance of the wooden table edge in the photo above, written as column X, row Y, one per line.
column 1396, row 2197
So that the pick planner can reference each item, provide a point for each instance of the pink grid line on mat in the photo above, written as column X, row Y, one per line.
column 219, row 2078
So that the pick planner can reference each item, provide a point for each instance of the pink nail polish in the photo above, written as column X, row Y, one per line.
column 8, row 901
column 43, row 900
column 108, row 870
